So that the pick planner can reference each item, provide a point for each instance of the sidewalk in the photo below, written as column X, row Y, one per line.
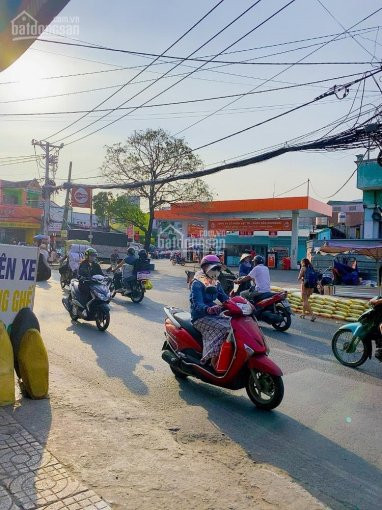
column 31, row 478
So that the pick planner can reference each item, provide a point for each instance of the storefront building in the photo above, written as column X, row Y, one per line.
column 20, row 211
column 277, row 226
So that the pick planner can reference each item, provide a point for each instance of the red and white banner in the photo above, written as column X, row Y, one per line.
column 250, row 225
column 81, row 196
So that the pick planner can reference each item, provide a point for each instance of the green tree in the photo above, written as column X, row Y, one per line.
column 102, row 203
column 151, row 155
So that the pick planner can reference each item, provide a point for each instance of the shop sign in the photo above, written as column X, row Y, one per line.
column 20, row 212
column 195, row 231
column 18, row 271
column 250, row 225
column 81, row 196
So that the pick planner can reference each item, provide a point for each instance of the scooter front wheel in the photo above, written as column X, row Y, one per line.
column 102, row 320
column 266, row 391
column 349, row 351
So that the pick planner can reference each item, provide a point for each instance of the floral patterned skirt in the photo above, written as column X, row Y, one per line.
column 214, row 330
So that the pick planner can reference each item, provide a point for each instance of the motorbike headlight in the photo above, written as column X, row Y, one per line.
column 246, row 308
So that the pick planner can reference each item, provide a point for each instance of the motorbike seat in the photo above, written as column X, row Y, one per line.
column 259, row 297
column 78, row 295
column 184, row 319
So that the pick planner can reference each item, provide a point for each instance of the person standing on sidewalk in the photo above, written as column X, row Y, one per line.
column 308, row 278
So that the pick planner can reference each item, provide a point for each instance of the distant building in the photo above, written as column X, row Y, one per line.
column 369, row 180
column 348, row 216
column 20, row 210
column 75, row 219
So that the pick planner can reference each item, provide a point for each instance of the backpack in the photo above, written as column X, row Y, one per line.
column 310, row 278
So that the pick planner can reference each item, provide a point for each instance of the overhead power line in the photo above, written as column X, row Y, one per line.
column 303, row 105
column 200, row 67
column 274, row 76
column 370, row 135
column 165, row 74
column 199, row 59
column 187, row 101
column 143, row 70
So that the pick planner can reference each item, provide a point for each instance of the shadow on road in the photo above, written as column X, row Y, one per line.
column 318, row 345
column 114, row 357
column 331, row 473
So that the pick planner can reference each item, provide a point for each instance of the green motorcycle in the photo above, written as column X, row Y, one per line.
column 352, row 343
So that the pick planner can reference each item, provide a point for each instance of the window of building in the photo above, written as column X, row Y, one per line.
column 336, row 209
column 352, row 207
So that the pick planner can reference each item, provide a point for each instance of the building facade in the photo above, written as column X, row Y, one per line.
column 20, row 211
column 369, row 180
column 348, row 216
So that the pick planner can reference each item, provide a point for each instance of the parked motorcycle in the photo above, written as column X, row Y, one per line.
column 97, row 308
column 243, row 360
column 136, row 289
column 352, row 343
column 272, row 308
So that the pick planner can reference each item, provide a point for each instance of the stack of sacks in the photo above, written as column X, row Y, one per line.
column 330, row 307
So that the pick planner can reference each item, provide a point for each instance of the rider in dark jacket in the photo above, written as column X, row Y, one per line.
column 89, row 267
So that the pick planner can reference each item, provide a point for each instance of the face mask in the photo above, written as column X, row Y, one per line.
column 213, row 273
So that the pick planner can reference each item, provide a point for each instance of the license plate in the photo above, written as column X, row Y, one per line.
column 286, row 303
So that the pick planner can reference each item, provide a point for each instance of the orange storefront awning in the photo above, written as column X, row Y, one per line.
column 190, row 210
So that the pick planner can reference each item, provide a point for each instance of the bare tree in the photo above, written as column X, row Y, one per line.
column 151, row 155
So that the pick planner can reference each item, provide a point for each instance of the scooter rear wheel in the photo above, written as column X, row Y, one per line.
column 137, row 293
column 266, row 391
column 286, row 321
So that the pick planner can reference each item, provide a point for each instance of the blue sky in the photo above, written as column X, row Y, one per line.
column 151, row 26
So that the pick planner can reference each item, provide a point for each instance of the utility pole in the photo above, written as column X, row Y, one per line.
column 308, row 187
column 66, row 207
column 47, row 187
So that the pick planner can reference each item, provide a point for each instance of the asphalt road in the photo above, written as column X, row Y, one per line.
column 326, row 433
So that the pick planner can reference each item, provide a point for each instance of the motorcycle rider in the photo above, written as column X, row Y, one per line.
column 88, row 267
column 260, row 278
column 129, row 272
column 205, row 313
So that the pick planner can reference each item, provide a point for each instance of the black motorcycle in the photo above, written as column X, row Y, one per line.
column 94, row 306
column 135, row 289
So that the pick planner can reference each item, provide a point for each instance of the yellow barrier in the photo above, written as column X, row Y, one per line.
column 7, row 375
column 33, row 364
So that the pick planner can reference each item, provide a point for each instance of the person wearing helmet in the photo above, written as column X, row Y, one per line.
column 89, row 266
column 205, row 313
column 128, row 264
column 259, row 277
column 143, row 262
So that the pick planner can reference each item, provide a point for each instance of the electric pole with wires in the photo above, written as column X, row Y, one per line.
column 51, row 159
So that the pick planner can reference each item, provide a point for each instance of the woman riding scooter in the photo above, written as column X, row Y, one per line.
column 205, row 314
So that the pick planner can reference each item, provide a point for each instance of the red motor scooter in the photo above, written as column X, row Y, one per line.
column 243, row 361
column 272, row 308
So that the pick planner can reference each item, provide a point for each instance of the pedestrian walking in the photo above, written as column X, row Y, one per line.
column 308, row 278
